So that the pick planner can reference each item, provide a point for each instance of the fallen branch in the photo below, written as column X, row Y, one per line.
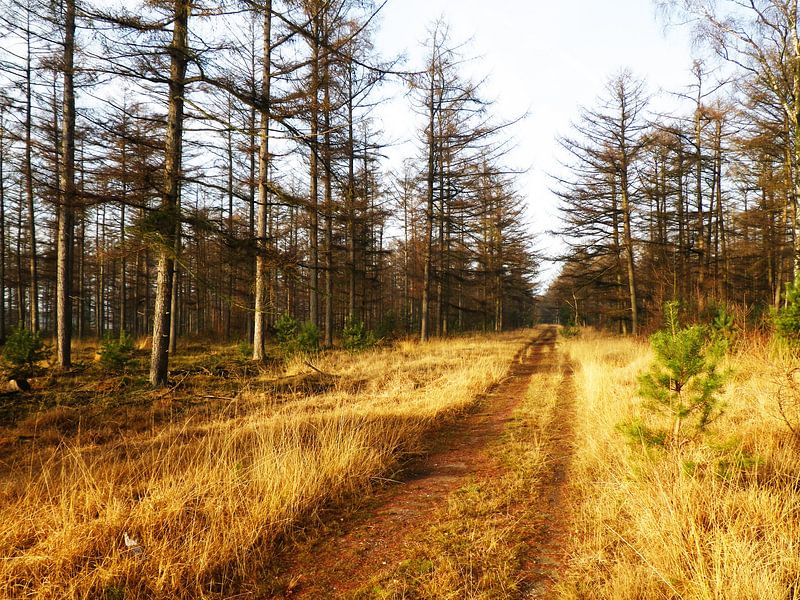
column 308, row 364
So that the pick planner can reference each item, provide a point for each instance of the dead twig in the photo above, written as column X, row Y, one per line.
column 308, row 364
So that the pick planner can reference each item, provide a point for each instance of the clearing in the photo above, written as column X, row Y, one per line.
column 483, row 466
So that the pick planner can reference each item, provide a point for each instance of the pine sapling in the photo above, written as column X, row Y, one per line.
column 684, row 380
column 787, row 319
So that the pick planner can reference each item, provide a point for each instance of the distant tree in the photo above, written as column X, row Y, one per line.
column 598, row 202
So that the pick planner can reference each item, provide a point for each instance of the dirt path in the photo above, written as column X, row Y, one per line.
column 367, row 542
column 546, row 550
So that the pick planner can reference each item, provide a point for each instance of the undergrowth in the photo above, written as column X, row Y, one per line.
column 207, row 492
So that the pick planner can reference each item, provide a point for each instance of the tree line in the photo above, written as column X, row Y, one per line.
column 180, row 168
column 698, row 205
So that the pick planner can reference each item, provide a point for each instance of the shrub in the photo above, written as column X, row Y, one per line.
column 308, row 338
column 723, row 324
column 640, row 433
column 294, row 338
column 22, row 351
column 116, row 353
column 566, row 316
column 244, row 349
column 285, row 329
column 787, row 319
column 684, row 379
column 355, row 336
column 569, row 331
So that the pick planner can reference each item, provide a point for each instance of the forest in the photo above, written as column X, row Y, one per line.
column 697, row 204
column 189, row 170
column 254, row 345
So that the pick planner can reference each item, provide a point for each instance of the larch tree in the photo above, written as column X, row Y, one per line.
column 173, row 149
column 66, row 206
column 261, row 272
column 598, row 204
column 762, row 39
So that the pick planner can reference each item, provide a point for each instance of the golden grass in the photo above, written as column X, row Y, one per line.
column 718, row 519
column 209, row 497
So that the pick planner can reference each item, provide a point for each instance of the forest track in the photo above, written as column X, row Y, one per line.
column 545, row 553
column 371, row 539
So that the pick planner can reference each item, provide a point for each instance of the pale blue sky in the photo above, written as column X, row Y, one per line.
column 548, row 58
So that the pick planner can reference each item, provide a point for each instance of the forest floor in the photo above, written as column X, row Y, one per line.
column 384, row 548
column 477, row 466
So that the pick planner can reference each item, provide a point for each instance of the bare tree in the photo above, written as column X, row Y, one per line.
column 762, row 38
column 261, row 275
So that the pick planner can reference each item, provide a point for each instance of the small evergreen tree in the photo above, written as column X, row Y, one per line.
column 22, row 351
column 356, row 337
column 294, row 338
column 684, row 380
column 787, row 319
column 308, row 338
column 723, row 324
column 286, row 332
column 116, row 353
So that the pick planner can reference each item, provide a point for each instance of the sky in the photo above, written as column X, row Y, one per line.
column 546, row 58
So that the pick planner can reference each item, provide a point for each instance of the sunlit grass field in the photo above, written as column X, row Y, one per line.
column 206, row 497
column 717, row 518
column 208, row 489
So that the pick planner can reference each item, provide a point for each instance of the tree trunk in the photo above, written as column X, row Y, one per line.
column 20, row 285
column 174, row 309
column 230, row 267
column 67, row 204
column 326, row 119
column 2, row 228
column 159, row 358
column 99, row 252
column 314, row 179
column 260, row 324
column 251, row 207
column 81, row 291
column 428, row 241
column 617, row 247
column 34, row 273
column 123, row 268
column 351, row 209
column 701, row 247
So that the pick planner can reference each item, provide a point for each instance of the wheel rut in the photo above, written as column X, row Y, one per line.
column 370, row 540
column 545, row 554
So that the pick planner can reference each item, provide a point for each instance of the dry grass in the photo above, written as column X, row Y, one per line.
column 720, row 518
column 208, row 496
